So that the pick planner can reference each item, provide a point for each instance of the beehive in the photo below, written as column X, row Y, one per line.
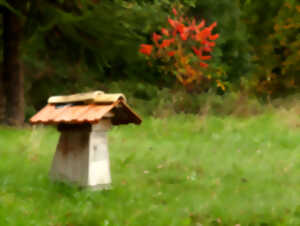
column 82, row 155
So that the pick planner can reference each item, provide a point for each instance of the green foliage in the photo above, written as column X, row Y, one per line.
column 75, row 46
column 231, row 55
column 275, row 42
column 5, row 4
column 149, row 100
column 71, row 52
column 183, row 170
column 97, row 36
column 99, row 39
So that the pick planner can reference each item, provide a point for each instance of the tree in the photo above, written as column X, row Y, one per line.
column 68, row 33
column 17, row 17
column 12, row 77
column 275, row 45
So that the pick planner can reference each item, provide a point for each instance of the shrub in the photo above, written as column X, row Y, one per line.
column 183, row 49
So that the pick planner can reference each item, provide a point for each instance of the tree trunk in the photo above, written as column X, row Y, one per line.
column 2, row 97
column 13, row 79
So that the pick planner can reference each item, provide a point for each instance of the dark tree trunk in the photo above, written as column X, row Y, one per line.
column 13, row 80
column 2, row 98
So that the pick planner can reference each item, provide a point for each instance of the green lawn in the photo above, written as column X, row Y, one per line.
column 185, row 170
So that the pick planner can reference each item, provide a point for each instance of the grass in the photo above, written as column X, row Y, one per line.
column 184, row 170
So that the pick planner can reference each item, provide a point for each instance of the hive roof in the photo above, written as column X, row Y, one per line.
column 86, row 108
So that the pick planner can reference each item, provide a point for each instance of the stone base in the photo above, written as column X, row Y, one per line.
column 82, row 156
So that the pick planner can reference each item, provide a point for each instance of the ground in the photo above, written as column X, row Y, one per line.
column 182, row 170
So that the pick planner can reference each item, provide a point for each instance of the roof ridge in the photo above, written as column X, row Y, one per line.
column 88, row 97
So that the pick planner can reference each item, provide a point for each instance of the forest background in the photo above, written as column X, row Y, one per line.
column 62, row 47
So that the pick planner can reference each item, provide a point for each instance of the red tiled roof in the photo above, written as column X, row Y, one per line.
column 88, row 113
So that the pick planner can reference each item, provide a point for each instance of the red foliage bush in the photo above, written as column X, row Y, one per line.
column 184, row 46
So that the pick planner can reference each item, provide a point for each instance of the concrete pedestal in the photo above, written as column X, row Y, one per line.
column 82, row 155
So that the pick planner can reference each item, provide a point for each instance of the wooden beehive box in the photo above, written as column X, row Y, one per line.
column 83, row 119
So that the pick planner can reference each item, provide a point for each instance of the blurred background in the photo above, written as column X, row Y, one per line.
column 62, row 47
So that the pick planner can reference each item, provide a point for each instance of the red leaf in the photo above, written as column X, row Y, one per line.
column 180, row 28
column 207, row 49
column 212, row 26
column 197, row 51
column 201, row 25
column 214, row 37
column 166, row 43
column 146, row 49
column 171, row 53
column 184, row 36
column 164, row 31
column 204, row 57
column 173, row 23
column 174, row 12
column 204, row 65
column 194, row 22
column 203, row 35
column 210, row 44
column 156, row 38
column 174, row 32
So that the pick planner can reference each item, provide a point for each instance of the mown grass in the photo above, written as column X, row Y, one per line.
column 184, row 170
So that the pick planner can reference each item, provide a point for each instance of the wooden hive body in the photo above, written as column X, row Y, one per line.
column 82, row 155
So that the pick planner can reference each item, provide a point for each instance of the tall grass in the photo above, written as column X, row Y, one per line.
column 182, row 170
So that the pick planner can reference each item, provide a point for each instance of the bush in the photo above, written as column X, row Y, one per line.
column 149, row 100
